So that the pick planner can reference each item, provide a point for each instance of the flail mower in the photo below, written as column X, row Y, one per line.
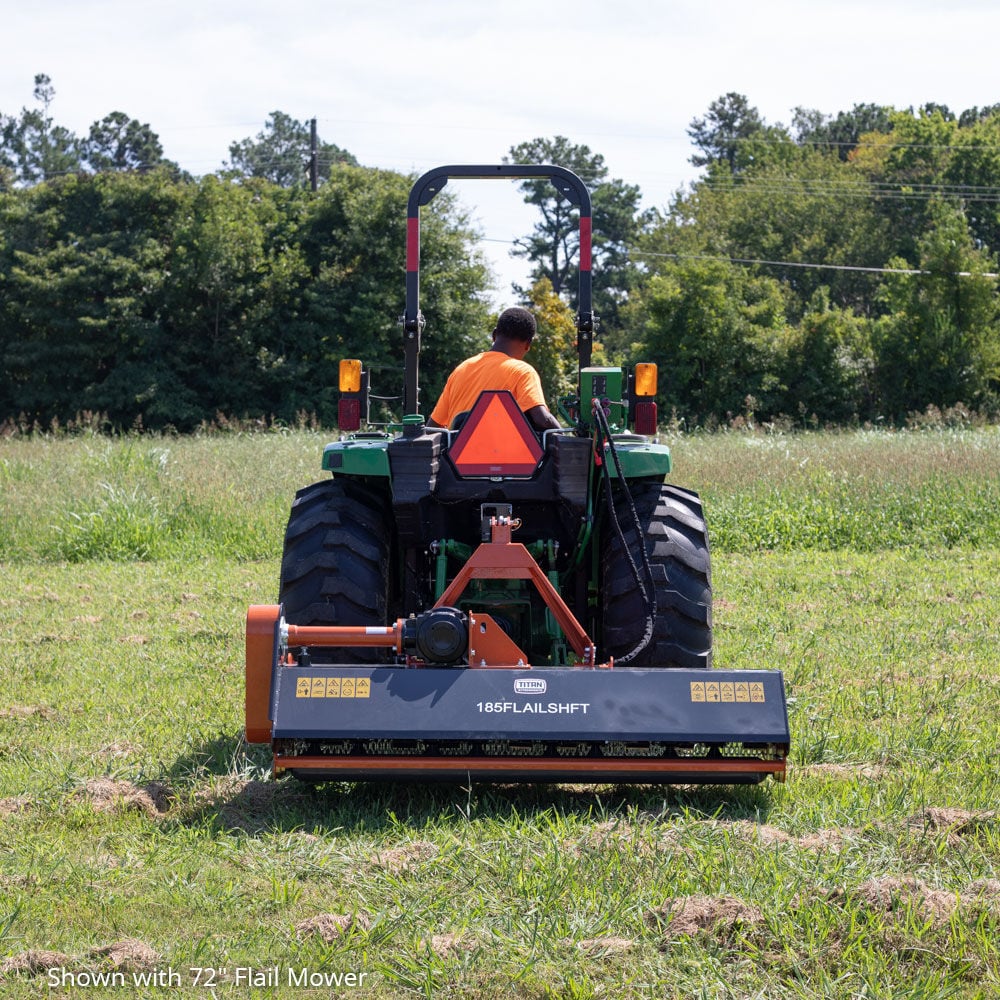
column 487, row 603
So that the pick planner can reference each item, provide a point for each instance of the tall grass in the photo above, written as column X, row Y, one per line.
column 148, row 498
column 157, row 498
column 865, row 490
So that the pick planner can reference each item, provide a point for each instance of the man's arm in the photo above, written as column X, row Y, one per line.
column 541, row 418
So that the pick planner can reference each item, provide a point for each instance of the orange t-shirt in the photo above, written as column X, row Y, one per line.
column 489, row 370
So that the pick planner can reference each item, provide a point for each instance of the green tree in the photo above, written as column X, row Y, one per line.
column 808, row 216
column 167, row 302
column 353, row 238
column 231, row 272
column 554, row 246
column 715, row 330
column 32, row 148
column 118, row 142
column 842, row 133
column 84, row 262
column 729, row 122
column 827, row 365
column 970, row 116
column 938, row 342
column 553, row 352
column 281, row 153
column 904, row 168
column 972, row 171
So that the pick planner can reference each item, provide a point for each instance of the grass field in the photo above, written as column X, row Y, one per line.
column 144, row 849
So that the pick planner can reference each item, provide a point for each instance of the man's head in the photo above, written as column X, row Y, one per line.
column 516, row 324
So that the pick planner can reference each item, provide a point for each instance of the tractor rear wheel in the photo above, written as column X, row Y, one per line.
column 672, row 528
column 335, row 565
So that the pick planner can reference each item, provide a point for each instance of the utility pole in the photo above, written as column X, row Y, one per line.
column 313, row 156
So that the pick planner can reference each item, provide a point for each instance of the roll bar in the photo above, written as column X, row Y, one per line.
column 567, row 183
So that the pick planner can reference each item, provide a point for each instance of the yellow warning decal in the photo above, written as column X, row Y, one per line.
column 727, row 691
column 333, row 687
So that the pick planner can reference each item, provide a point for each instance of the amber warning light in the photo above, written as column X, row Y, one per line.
column 350, row 375
column 352, row 406
column 644, row 398
column 645, row 379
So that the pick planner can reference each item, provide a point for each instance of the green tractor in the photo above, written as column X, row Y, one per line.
column 563, row 558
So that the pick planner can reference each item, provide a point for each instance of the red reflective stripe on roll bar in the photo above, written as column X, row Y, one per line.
column 585, row 239
column 413, row 244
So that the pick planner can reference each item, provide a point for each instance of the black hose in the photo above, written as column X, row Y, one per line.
column 648, row 595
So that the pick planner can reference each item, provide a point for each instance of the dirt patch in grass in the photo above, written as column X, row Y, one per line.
column 27, row 712
column 600, row 946
column 130, row 953
column 768, row 836
column 332, row 926
column 905, row 893
column 616, row 834
column 843, row 772
column 451, row 945
column 982, row 893
column 15, row 804
column 397, row 860
column 31, row 963
column 603, row 834
column 107, row 795
column 955, row 824
column 127, row 954
column 721, row 917
column 248, row 806
column 117, row 750
column 891, row 894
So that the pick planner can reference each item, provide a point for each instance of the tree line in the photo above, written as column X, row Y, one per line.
column 839, row 269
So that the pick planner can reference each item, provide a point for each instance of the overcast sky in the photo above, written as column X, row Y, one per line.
column 409, row 86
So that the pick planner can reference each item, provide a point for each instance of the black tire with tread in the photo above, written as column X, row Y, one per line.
column 335, row 563
column 676, row 539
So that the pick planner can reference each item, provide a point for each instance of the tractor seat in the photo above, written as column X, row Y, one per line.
column 494, row 438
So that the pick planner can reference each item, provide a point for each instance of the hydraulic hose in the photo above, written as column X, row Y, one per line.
column 648, row 594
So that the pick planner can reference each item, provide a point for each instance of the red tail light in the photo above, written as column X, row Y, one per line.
column 349, row 413
column 645, row 417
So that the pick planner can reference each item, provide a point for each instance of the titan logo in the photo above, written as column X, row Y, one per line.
column 529, row 685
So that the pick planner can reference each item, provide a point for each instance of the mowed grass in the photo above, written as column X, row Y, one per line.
column 140, row 835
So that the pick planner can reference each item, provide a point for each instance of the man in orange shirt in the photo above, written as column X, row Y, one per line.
column 501, row 367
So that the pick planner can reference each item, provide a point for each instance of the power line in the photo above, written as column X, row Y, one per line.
column 804, row 265
column 815, row 267
column 868, row 190
column 882, row 142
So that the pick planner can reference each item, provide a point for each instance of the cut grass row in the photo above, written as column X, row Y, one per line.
column 869, row 871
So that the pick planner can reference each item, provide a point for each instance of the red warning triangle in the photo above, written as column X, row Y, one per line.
column 496, row 439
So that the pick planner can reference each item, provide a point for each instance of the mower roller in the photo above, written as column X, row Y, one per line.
column 415, row 638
